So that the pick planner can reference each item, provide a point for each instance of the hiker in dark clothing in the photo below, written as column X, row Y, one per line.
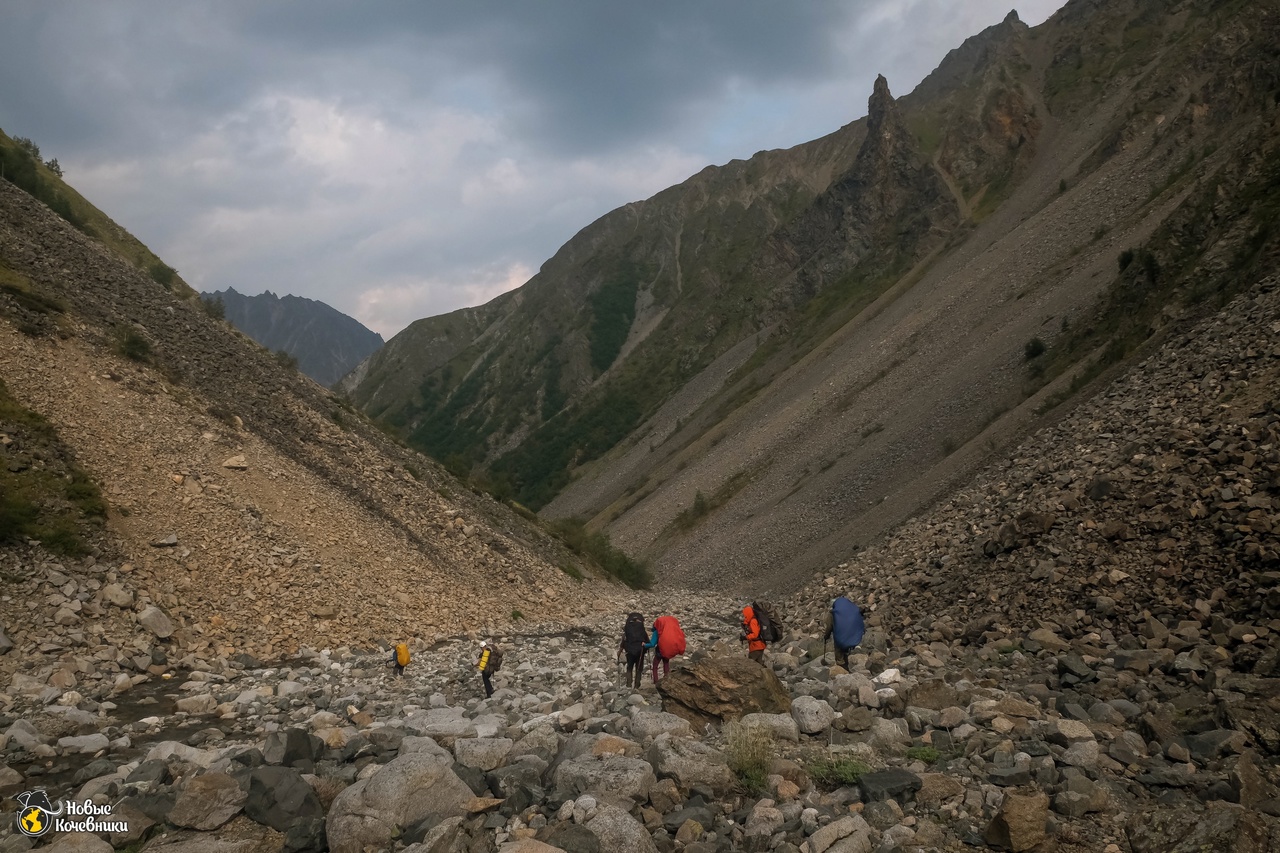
column 634, row 641
column 844, row 623
column 751, row 633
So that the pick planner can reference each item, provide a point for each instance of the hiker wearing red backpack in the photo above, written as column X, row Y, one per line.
column 667, row 642
column 751, row 633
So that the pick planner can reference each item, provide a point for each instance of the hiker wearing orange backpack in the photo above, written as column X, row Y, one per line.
column 751, row 633
column 667, row 641
column 400, row 658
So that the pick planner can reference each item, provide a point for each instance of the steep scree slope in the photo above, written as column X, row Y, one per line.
column 243, row 499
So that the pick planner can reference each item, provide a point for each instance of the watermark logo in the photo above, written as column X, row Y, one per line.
column 36, row 813
column 37, row 816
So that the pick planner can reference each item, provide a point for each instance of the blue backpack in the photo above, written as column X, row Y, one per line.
column 847, row 622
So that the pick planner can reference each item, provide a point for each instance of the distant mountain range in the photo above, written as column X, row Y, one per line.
column 326, row 342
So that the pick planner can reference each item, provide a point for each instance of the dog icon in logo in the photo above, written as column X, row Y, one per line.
column 36, row 813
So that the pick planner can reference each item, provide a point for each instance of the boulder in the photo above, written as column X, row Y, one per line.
column 721, row 688
column 813, row 716
column 689, row 763
column 610, row 776
column 482, row 753
column 402, row 792
column 241, row 835
column 207, row 802
column 838, row 831
column 1020, row 823
column 647, row 725
column 778, row 726
column 1220, row 826
column 84, row 743
column 893, row 783
column 618, row 830
column 77, row 842
column 279, row 797
column 156, row 621
column 288, row 746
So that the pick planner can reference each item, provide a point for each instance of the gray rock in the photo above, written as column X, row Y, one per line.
column 618, row 830
column 846, row 827
column 482, row 753
column 893, row 783
column 156, row 621
column 207, row 802
column 779, row 726
column 403, row 792
column 647, row 725
column 279, row 797
column 84, row 743
column 606, row 777
column 813, row 716
column 691, row 762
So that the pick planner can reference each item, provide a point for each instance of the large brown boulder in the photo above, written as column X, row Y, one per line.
column 714, row 689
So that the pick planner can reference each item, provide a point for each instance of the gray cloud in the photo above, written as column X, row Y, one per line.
column 398, row 160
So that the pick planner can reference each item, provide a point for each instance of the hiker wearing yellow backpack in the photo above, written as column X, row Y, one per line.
column 400, row 658
column 490, row 662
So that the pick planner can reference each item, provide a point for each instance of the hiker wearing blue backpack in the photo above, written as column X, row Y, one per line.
column 844, row 624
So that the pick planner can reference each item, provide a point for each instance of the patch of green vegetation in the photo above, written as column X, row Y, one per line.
column 42, row 182
column 20, row 289
column 927, row 754
column 572, row 571
column 613, row 309
column 703, row 506
column 834, row 771
column 132, row 345
column 47, row 501
column 1033, row 349
column 516, row 615
column 215, row 307
column 162, row 274
column 285, row 360
column 749, row 751
column 596, row 547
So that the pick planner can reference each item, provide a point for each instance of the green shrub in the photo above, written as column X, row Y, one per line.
column 749, row 751
column 1034, row 349
column 831, row 772
column 215, row 307
column 162, row 274
column 572, row 571
column 288, row 362
column 515, row 615
column 927, row 754
column 1125, row 258
column 596, row 547
column 133, row 346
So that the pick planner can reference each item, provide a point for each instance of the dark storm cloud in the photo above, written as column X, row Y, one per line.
column 401, row 159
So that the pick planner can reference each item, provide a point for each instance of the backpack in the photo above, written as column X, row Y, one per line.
column 846, row 623
column 402, row 654
column 670, row 636
column 770, row 624
column 634, row 636
column 495, row 659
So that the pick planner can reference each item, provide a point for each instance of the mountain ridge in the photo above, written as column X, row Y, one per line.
column 836, row 341
column 326, row 343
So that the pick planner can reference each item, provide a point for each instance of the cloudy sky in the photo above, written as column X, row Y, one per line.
column 399, row 160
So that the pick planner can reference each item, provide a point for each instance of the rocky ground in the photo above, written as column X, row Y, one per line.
column 1060, row 744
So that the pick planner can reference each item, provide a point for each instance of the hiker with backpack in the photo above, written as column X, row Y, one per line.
column 400, row 658
column 667, row 642
column 845, row 625
column 489, row 663
column 760, row 626
column 751, row 633
column 635, row 639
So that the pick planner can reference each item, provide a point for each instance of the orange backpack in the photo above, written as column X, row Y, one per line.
column 670, row 636
column 402, row 654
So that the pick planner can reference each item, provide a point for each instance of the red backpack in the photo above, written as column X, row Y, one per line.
column 670, row 636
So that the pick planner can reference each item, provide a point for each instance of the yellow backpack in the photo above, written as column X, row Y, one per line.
column 402, row 654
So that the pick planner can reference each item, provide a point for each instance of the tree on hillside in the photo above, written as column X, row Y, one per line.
column 28, row 146
column 53, row 166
